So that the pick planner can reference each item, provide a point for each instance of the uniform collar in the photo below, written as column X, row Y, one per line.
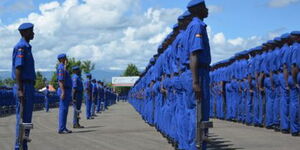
column 198, row 19
column 22, row 40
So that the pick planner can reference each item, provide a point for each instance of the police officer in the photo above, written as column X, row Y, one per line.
column 77, row 95
column 200, row 58
column 47, row 100
column 23, row 72
column 64, row 91
column 94, row 97
column 88, row 96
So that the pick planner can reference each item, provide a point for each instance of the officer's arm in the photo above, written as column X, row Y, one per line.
column 19, row 80
column 194, row 66
column 61, row 85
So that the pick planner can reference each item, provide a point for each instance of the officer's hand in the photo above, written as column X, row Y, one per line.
column 198, row 91
column 251, row 91
column 298, row 86
column 21, row 96
column 287, row 88
column 62, row 96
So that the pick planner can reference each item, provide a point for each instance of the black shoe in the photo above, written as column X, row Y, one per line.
column 269, row 127
column 75, row 126
column 80, row 126
column 63, row 132
column 295, row 134
column 285, row 131
column 68, row 131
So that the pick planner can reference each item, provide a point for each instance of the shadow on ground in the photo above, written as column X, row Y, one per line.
column 217, row 143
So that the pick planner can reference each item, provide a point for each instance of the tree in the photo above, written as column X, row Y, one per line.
column 131, row 70
column 8, row 82
column 40, row 81
column 87, row 66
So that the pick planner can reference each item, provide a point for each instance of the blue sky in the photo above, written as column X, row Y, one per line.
column 237, row 18
column 131, row 30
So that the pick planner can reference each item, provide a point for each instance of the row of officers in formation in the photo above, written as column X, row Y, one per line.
column 72, row 89
column 260, row 86
column 176, row 78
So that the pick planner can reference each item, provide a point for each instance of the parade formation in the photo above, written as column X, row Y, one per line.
column 260, row 86
column 175, row 85
column 177, row 93
column 97, row 96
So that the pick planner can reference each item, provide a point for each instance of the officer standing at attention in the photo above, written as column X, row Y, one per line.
column 64, row 91
column 23, row 72
column 88, row 96
column 200, row 57
column 94, row 97
column 47, row 94
column 77, row 95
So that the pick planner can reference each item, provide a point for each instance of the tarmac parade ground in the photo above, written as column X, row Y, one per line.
column 121, row 128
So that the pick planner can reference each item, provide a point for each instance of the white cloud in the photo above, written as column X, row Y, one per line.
column 281, row 3
column 106, row 32
column 215, row 9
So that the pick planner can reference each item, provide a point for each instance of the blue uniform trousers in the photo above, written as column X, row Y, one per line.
column 77, row 106
column 63, row 109
column 27, row 110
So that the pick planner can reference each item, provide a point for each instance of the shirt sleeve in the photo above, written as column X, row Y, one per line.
column 196, row 38
column 74, row 83
column 19, row 59
column 60, row 74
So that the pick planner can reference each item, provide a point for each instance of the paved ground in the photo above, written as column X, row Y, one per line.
column 121, row 128
column 233, row 136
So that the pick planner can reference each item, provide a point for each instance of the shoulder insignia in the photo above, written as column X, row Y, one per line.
column 198, row 35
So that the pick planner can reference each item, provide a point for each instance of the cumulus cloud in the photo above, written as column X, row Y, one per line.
column 281, row 3
column 215, row 9
column 107, row 32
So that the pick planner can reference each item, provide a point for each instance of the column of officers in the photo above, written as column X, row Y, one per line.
column 71, row 89
column 176, row 77
column 260, row 86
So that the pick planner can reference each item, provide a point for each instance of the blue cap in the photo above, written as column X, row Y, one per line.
column 285, row 36
column 61, row 56
column 175, row 26
column 25, row 26
column 75, row 68
column 295, row 33
column 245, row 52
column 152, row 60
column 184, row 15
column 194, row 3
column 270, row 42
column 88, row 74
column 258, row 48
column 277, row 39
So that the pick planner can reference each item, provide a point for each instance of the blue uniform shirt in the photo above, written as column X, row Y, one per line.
column 63, row 75
column 77, row 82
column 197, row 40
column 296, row 54
column 22, row 57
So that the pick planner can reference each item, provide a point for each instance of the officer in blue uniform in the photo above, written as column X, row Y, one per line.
column 94, row 97
column 47, row 100
column 77, row 95
column 100, row 96
column 88, row 96
column 64, row 92
column 23, row 72
column 294, row 85
column 200, row 58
